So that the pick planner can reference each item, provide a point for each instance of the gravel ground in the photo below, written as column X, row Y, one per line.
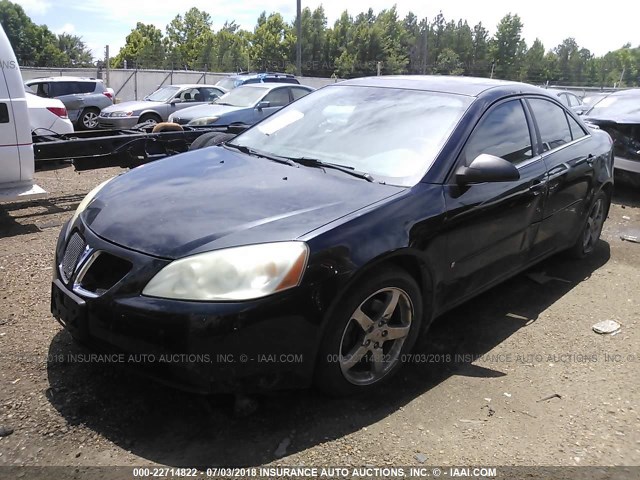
column 514, row 377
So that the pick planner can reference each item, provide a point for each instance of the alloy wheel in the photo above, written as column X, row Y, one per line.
column 372, row 340
column 90, row 120
column 594, row 225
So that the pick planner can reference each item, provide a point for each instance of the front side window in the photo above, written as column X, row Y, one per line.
column 552, row 123
column 502, row 132
column 163, row 94
column 242, row 96
column 278, row 97
column 393, row 134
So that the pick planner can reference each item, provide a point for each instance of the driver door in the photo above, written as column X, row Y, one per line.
column 277, row 98
column 490, row 227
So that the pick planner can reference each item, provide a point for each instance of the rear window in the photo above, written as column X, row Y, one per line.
column 86, row 87
column 58, row 89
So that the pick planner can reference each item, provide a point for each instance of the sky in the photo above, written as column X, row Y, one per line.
column 108, row 22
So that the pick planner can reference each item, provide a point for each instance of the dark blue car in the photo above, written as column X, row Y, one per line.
column 316, row 246
column 244, row 105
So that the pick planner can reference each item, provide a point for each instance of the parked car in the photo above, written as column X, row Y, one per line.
column 247, row 104
column 570, row 100
column 591, row 98
column 158, row 106
column 247, row 78
column 47, row 115
column 619, row 115
column 84, row 98
column 312, row 249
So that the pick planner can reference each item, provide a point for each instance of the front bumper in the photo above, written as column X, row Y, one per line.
column 117, row 122
column 258, row 345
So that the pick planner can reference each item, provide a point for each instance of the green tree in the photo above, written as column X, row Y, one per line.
column 143, row 48
column 186, row 39
column 74, row 49
column 272, row 40
column 535, row 65
column 507, row 48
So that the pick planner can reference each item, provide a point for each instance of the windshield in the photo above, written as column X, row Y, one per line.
column 227, row 83
column 616, row 106
column 242, row 96
column 392, row 134
column 163, row 94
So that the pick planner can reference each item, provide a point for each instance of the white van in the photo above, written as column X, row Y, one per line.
column 16, row 147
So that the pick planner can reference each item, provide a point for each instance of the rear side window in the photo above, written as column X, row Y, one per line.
column 552, row 123
column 86, row 87
column 57, row 89
column 576, row 130
column 502, row 132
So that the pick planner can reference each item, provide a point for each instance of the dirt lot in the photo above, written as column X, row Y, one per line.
column 534, row 340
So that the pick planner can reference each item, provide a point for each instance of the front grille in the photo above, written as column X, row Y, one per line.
column 74, row 249
column 104, row 272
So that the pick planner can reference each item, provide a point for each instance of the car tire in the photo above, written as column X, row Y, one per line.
column 591, row 227
column 210, row 139
column 354, row 356
column 88, row 119
column 149, row 119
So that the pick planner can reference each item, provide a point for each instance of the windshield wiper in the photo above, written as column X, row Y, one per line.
column 314, row 162
column 222, row 103
column 257, row 153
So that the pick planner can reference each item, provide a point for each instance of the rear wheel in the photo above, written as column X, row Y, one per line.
column 590, row 234
column 89, row 119
column 371, row 328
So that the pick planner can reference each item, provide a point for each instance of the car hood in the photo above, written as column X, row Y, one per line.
column 215, row 198
column 207, row 110
column 132, row 105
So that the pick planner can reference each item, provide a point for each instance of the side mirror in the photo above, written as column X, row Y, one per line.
column 487, row 168
column 174, row 101
column 263, row 104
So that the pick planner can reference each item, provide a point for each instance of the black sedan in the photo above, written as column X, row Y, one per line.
column 316, row 246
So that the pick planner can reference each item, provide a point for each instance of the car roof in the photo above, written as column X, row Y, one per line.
column 270, row 85
column 64, row 79
column 189, row 85
column 631, row 92
column 470, row 86
column 261, row 74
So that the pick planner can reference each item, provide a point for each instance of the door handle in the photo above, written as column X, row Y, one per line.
column 537, row 187
column 591, row 160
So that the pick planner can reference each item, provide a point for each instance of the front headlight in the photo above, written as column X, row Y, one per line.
column 84, row 204
column 238, row 273
column 121, row 114
column 204, row 121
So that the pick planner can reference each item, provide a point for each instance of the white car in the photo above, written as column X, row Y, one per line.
column 47, row 115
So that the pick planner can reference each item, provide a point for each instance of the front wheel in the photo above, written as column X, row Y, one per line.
column 370, row 330
column 592, row 228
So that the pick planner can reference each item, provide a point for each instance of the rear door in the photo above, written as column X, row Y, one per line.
column 567, row 154
column 491, row 226
column 71, row 95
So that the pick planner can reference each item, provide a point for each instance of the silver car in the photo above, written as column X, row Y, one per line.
column 158, row 106
column 83, row 98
